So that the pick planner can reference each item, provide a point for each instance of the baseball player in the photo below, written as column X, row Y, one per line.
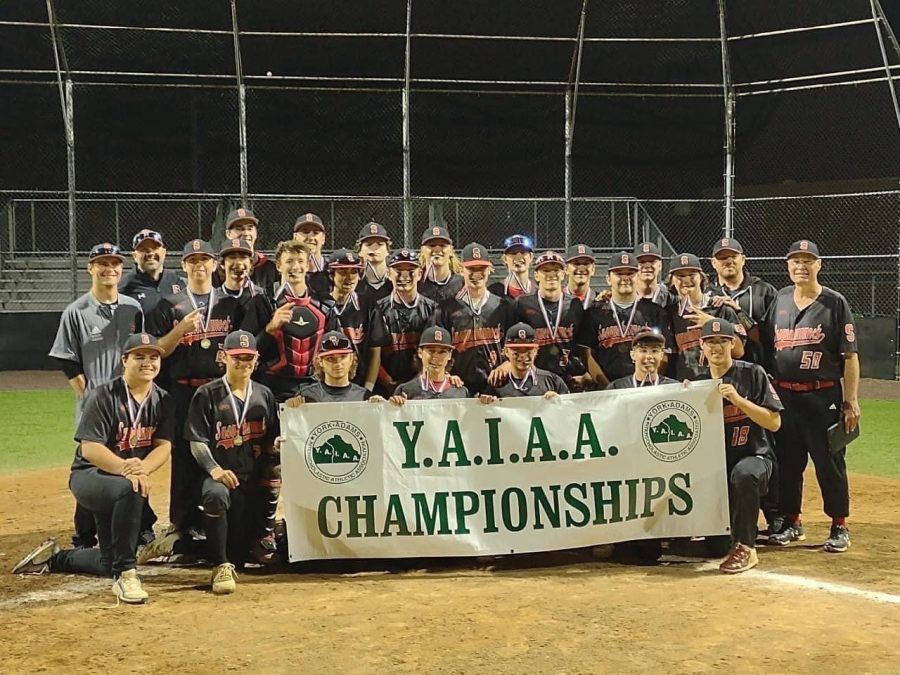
column 610, row 324
column 309, row 230
column 521, row 348
column 518, row 253
column 649, row 260
column 751, row 408
column 398, row 322
column 232, row 426
column 648, row 354
column 242, row 224
column 350, row 312
column 690, row 309
column 237, row 262
column 335, row 364
column 477, row 320
column 88, row 344
column 747, row 295
column 433, row 380
column 816, row 369
column 124, row 436
column 580, row 269
column 149, row 281
column 374, row 246
column 441, row 279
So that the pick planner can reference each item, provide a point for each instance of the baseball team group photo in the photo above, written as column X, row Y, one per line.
column 377, row 364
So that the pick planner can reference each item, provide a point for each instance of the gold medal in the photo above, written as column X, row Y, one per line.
column 238, row 440
column 554, row 350
column 133, row 440
column 205, row 343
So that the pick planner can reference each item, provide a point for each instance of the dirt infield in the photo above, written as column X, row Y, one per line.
column 564, row 612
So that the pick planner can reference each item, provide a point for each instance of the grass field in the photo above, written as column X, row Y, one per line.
column 37, row 430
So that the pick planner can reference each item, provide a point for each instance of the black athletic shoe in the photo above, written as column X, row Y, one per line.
column 790, row 532
column 839, row 539
column 775, row 525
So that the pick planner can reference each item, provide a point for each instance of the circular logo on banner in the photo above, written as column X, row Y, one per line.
column 671, row 430
column 337, row 452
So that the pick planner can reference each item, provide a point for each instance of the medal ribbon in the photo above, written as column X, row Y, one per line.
column 554, row 329
column 521, row 386
column 425, row 383
column 646, row 380
column 615, row 313
column 401, row 301
column 340, row 312
column 234, row 406
column 209, row 306
column 511, row 278
column 468, row 300
column 134, row 417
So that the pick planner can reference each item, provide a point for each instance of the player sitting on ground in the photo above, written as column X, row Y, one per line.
column 125, row 435
column 434, row 380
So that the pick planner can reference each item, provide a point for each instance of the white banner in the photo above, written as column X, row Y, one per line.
column 457, row 478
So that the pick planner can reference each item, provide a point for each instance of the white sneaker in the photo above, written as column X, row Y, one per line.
column 223, row 576
column 127, row 588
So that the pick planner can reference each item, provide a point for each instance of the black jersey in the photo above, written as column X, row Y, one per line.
column 629, row 382
column 420, row 388
column 743, row 436
column 286, row 357
column 477, row 335
column 608, row 329
column 107, row 419
column 265, row 275
column 555, row 326
column 352, row 318
column 319, row 392
column 754, row 297
column 374, row 293
column 536, row 383
column 662, row 296
column 149, row 291
column 197, row 355
column 318, row 280
column 810, row 343
column 396, row 328
column 511, row 288
column 689, row 361
column 234, row 436
column 440, row 291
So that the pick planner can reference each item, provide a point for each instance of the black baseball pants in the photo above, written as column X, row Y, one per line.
column 748, row 481
column 184, row 489
column 228, row 520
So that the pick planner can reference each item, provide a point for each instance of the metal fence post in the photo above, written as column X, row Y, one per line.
column 728, row 93
column 404, row 111
column 242, row 104
column 11, row 222
column 571, row 98
column 887, row 64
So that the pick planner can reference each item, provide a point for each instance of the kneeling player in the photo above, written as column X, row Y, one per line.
column 433, row 380
column 751, row 407
column 521, row 349
column 125, row 434
column 232, row 427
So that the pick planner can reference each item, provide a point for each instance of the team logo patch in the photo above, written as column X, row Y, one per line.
column 716, row 326
column 244, row 341
column 439, row 336
column 337, row 452
column 684, row 260
column 804, row 245
column 435, row 231
column 521, row 334
column 624, row 260
column 145, row 339
column 195, row 244
column 671, row 430
column 581, row 249
column 235, row 242
column 476, row 252
column 726, row 242
column 646, row 248
column 373, row 228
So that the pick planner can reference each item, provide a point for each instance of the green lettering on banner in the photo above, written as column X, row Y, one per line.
column 651, row 493
column 354, row 516
column 409, row 444
column 614, row 502
column 576, row 504
column 462, row 511
column 521, row 510
column 537, row 439
column 632, row 484
column 681, row 492
column 494, row 440
column 453, row 443
column 587, row 436
column 395, row 518
column 542, row 504
column 490, row 520
column 429, row 517
column 323, row 517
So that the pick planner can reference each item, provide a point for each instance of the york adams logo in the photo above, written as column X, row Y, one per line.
column 671, row 430
column 337, row 452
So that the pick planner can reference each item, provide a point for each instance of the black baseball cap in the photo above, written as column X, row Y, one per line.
column 549, row 258
column 240, row 216
column 235, row 246
column 648, row 335
column 373, row 231
column 105, row 250
column 402, row 257
column 622, row 260
column 335, row 342
column 727, row 244
column 474, row 255
column 198, row 247
column 579, row 252
column 803, row 246
column 436, row 336
column 647, row 249
column 685, row 262
column 520, row 335
column 309, row 219
column 437, row 232
column 344, row 258
column 147, row 235
column 717, row 328
column 518, row 241
column 240, row 342
column 140, row 341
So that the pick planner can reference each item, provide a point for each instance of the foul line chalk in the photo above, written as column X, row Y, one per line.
column 819, row 585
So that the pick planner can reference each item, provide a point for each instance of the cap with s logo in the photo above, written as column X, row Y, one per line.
column 686, row 262
column 238, row 217
column 727, row 245
column 579, row 253
column 436, row 234
column 198, row 247
column 236, row 246
column 520, row 335
column 403, row 258
column 436, row 336
column 141, row 341
column 717, row 328
column 240, row 342
column 647, row 249
column 373, row 231
column 622, row 261
column 344, row 258
column 474, row 255
column 803, row 246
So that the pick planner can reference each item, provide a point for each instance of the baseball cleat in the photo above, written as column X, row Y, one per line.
column 839, row 539
column 38, row 561
column 223, row 579
column 741, row 559
column 161, row 547
column 790, row 532
column 264, row 550
column 128, row 589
